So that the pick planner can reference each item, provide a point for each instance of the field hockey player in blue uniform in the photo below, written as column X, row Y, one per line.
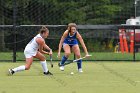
column 69, row 41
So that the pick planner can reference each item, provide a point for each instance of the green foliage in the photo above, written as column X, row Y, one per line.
column 37, row 12
column 74, row 16
column 65, row 11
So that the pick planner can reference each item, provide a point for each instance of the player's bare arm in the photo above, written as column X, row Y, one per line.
column 46, row 47
column 82, row 43
column 41, row 43
column 61, row 42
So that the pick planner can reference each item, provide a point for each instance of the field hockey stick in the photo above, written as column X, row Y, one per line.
column 51, row 61
column 76, row 60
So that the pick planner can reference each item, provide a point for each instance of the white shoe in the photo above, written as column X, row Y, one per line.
column 80, row 70
column 10, row 72
column 62, row 68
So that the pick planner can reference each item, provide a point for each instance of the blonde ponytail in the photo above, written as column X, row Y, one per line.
column 43, row 29
column 71, row 25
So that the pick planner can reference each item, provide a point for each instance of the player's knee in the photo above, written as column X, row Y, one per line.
column 27, row 67
column 78, row 55
column 43, row 58
column 67, row 53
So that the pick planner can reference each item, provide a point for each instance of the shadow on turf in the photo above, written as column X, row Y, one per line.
column 3, row 92
column 60, row 81
column 130, row 81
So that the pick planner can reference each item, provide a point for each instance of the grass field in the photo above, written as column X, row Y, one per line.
column 98, row 77
column 96, row 56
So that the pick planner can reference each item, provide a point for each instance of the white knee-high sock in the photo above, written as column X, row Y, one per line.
column 20, row 68
column 44, row 66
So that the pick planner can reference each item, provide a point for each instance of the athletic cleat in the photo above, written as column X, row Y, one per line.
column 80, row 70
column 62, row 68
column 11, row 72
column 47, row 73
column 59, row 64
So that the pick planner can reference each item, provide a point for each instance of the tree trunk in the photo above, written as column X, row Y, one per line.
column 2, row 43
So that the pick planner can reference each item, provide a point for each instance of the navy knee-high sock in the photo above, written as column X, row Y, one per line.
column 63, row 60
column 79, row 64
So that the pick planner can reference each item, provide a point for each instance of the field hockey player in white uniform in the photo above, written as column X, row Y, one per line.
column 35, row 49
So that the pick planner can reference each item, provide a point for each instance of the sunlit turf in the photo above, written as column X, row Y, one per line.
column 98, row 77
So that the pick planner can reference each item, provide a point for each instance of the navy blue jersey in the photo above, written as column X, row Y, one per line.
column 71, row 40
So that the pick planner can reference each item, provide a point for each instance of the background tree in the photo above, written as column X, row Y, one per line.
column 54, row 12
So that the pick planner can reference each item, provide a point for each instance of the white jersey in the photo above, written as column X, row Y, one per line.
column 32, row 47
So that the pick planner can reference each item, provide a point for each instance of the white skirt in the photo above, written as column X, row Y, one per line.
column 29, row 53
